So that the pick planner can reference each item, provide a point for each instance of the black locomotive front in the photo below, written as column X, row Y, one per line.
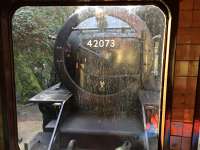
column 110, row 60
column 107, row 58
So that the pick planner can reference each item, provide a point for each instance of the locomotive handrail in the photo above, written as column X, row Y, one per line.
column 109, row 28
column 133, row 35
column 62, row 113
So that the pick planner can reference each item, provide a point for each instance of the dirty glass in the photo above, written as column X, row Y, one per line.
column 91, row 76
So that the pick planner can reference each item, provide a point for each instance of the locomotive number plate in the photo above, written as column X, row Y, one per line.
column 101, row 43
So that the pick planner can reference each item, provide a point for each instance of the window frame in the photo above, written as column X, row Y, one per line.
column 7, row 82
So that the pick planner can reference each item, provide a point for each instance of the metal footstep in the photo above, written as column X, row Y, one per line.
column 71, row 145
column 126, row 146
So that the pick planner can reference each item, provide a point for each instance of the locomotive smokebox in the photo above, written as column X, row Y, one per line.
column 104, row 55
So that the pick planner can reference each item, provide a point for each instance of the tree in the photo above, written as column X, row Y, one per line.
column 33, row 49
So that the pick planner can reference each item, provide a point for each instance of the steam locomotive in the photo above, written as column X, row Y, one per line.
column 109, row 60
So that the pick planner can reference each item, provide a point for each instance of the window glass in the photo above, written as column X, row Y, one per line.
column 91, row 74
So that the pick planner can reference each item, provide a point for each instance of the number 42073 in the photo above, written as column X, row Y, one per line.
column 101, row 43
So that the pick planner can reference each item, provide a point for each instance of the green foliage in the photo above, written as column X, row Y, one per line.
column 33, row 47
column 26, row 81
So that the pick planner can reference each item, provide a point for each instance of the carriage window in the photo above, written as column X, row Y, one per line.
column 89, row 77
